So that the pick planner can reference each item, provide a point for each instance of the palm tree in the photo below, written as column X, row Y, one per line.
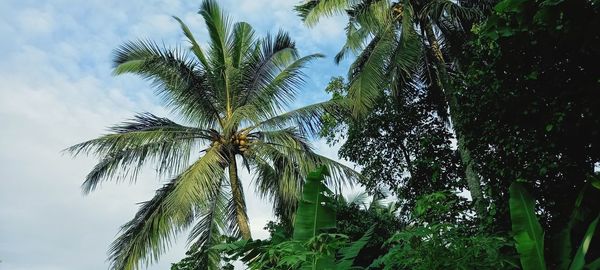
column 231, row 97
column 403, row 45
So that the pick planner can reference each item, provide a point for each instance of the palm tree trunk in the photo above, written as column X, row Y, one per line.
column 472, row 177
column 238, row 199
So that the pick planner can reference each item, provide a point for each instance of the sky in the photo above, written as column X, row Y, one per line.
column 56, row 89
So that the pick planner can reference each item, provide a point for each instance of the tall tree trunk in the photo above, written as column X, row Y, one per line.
column 472, row 177
column 238, row 199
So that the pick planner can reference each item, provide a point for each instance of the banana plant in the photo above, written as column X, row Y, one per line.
column 312, row 245
column 529, row 236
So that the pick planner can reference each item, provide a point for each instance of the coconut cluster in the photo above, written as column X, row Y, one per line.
column 398, row 10
column 239, row 141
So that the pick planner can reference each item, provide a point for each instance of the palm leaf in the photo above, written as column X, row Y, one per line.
column 195, row 46
column 145, row 138
column 240, row 42
column 211, row 229
column 272, row 54
column 172, row 209
column 313, row 10
column 367, row 73
column 176, row 79
column 307, row 119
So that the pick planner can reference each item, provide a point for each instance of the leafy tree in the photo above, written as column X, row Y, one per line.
column 532, row 110
column 431, row 242
column 400, row 145
column 231, row 95
column 403, row 45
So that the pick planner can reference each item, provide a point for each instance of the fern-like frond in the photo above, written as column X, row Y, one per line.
column 179, row 81
column 172, row 209
column 131, row 144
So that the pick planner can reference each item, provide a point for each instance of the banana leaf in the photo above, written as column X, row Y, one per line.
column 528, row 233
column 315, row 211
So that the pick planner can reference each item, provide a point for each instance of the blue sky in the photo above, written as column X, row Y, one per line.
column 56, row 89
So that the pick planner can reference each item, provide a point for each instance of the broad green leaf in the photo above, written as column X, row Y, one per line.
column 579, row 259
column 349, row 253
column 595, row 181
column 315, row 211
column 527, row 230
column 595, row 265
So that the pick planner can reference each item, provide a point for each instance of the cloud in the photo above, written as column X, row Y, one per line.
column 56, row 90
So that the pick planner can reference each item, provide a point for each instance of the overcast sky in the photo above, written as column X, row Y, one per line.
column 56, row 90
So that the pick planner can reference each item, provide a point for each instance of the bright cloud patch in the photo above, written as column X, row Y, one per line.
column 56, row 89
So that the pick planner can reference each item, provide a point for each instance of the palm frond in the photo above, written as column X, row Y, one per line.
column 218, row 25
column 289, row 137
column 445, row 9
column 211, row 229
column 241, row 42
column 195, row 46
column 312, row 10
column 179, row 81
column 356, row 37
column 406, row 57
column 145, row 138
column 307, row 119
column 172, row 209
column 367, row 73
column 277, row 179
column 271, row 99
column 272, row 55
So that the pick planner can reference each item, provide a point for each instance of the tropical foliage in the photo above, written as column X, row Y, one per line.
column 406, row 47
column 231, row 95
column 475, row 124
column 314, row 243
column 529, row 237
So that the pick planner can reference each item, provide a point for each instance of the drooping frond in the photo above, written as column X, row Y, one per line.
column 281, row 160
column 439, row 10
column 356, row 37
column 211, row 229
column 372, row 15
column 279, row 179
column 367, row 73
column 150, row 231
column 172, row 209
column 179, row 81
column 407, row 54
column 303, row 160
column 132, row 144
column 312, row 10
column 307, row 119
column 359, row 198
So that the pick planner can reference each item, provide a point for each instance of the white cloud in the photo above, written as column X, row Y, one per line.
column 56, row 90
column 35, row 22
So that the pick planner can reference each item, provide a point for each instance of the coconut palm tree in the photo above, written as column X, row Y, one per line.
column 230, row 97
column 401, row 45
